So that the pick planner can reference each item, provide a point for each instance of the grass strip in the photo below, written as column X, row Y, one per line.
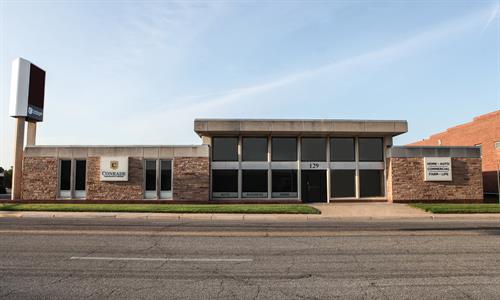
column 459, row 208
column 167, row 208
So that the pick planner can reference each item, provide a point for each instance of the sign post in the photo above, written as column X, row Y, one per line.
column 27, row 92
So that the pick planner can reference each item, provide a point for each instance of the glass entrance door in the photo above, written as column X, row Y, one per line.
column 313, row 184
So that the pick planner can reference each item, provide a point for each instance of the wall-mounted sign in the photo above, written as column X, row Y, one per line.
column 437, row 168
column 27, row 90
column 114, row 168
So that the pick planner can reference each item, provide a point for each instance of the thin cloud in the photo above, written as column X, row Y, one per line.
column 494, row 13
column 378, row 56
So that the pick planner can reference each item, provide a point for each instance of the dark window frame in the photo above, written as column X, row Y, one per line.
column 332, row 149
column 273, row 158
column 382, row 149
column 72, row 177
column 294, row 182
column 214, row 147
column 325, row 140
column 244, row 138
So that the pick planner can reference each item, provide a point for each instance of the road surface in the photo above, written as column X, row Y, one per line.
column 146, row 259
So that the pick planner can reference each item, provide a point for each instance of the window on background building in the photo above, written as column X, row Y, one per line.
column 225, row 183
column 371, row 149
column 343, row 183
column 284, row 184
column 225, row 149
column 165, row 179
column 313, row 149
column 254, row 149
column 80, row 178
column 284, row 149
column 370, row 183
column 150, row 179
column 254, row 183
column 342, row 149
column 497, row 145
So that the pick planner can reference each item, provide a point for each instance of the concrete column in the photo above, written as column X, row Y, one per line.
column 31, row 137
column 356, row 154
column 328, row 175
column 17, row 176
column 299, row 171
column 269, row 171
column 240, row 172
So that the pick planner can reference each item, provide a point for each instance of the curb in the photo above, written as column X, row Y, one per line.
column 240, row 217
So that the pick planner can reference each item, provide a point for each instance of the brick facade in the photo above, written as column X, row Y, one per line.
column 483, row 130
column 114, row 190
column 39, row 178
column 405, row 181
column 191, row 178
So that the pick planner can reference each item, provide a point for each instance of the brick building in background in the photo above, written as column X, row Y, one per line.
column 483, row 131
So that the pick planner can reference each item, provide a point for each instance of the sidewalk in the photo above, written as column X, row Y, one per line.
column 339, row 211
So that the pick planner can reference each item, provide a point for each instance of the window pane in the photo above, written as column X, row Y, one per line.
column 370, row 183
column 342, row 149
column 225, row 149
column 284, row 183
column 150, row 175
column 225, row 183
column 371, row 149
column 313, row 149
column 284, row 149
column 254, row 149
column 65, row 179
column 254, row 183
column 166, row 175
column 343, row 183
column 80, row 174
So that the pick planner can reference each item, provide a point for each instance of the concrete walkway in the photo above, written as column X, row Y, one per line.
column 337, row 211
column 370, row 210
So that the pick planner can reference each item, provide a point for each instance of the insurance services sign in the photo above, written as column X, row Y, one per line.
column 114, row 168
column 437, row 168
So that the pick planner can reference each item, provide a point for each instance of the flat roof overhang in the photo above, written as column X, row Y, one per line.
column 211, row 127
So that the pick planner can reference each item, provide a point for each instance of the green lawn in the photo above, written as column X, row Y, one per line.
column 168, row 208
column 459, row 208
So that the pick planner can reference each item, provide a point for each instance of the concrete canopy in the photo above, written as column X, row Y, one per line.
column 211, row 127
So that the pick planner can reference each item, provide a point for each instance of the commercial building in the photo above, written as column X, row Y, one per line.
column 259, row 161
column 484, row 132
column 238, row 161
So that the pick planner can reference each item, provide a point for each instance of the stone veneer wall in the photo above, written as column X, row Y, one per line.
column 39, row 178
column 405, row 182
column 114, row 190
column 191, row 178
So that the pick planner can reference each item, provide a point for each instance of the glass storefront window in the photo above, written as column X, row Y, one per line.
column 65, row 175
column 343, row 183
column 225, row 183
column 254, row 149
column 284, row 184
column 80, row 175
column 150, row 175
column 166, row 175
column 284, row 149
column 371, row 149
column 342, row 149
column 225, row 149
column 370, row 183
column 254, row 183
column 313, row 149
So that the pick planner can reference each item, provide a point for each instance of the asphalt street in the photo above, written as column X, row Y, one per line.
column 147, row 259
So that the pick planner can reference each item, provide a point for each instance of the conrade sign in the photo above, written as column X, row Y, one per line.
column 114, row 168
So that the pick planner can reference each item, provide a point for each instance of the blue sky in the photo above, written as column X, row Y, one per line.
column 133, row 72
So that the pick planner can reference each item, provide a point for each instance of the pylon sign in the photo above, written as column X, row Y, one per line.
column 27, row 90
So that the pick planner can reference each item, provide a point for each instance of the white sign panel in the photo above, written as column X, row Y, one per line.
column 114, row 168
column 437, row 168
